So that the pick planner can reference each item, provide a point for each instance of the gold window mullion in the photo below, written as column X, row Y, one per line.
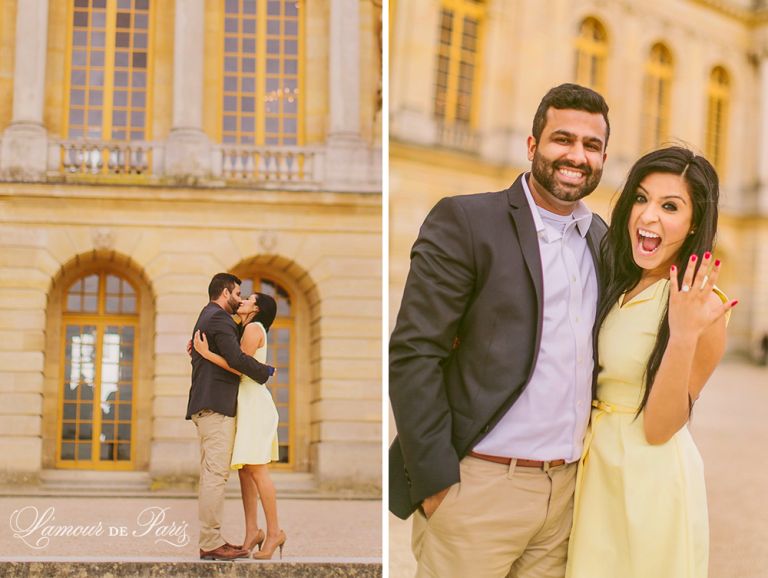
column 68, row 76
column 300, row 83
column 109, row 71
column 261, row 71
column 477, row 70
column 454, row 60
column 96, row 419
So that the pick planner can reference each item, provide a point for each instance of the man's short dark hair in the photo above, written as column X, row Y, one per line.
column 220, row 282
column 573, row 97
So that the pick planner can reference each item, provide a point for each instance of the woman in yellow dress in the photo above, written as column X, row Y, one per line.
column 256, row 428
column 641, row 508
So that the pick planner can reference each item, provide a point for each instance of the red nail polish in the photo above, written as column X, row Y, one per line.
column 693, row 258
column 735, row 303
column 707, row 255
column 673, row 269
column 717, row 262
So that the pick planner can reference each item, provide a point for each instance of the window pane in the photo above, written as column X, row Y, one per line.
column 80, row 19
column 129, row 305
column 138, row 100
column 123, row 20
column 140, row 59
column 67, row 451
column 70, row 411
column 94, row 117
column 84, row 451
column 121, row 98
column 113, row 304
column 124, row 412
column 140, row 21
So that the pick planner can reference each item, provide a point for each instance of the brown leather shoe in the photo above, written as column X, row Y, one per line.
column 224, row 552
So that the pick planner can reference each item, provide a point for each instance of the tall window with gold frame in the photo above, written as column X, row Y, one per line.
column 659, row 72
column 591, row 54
column 96, row 428
column 109, row 57
column 281, row 349
column 718, row 97
column 458, row 61
column 263, row 68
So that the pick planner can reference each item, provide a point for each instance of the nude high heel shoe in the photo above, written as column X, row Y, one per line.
column 269, row 549
column 260, row 537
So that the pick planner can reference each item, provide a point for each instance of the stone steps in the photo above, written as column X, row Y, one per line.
column 78, row 483
column 184, row 568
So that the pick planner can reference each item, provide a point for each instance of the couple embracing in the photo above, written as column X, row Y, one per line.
column 540, row 355
column 235, row 417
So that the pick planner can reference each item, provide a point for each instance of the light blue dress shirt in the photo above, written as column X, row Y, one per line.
column 549, row 419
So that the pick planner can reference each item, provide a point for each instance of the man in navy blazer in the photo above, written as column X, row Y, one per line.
column 212, row 407
column 491, row 358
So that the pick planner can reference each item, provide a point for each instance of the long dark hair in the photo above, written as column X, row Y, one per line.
column 620, row 273
column 267, row 310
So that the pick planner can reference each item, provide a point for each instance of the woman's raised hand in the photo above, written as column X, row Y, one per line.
column 201, row 343
column 691, row 307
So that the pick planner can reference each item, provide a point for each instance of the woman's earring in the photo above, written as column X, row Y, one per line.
column 692, row 231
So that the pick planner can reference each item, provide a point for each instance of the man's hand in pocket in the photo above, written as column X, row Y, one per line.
column 430, row 504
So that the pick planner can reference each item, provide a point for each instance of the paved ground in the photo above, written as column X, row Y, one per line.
column 142, row 527
column 730, row 425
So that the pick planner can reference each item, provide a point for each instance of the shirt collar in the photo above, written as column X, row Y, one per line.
column 581, row 213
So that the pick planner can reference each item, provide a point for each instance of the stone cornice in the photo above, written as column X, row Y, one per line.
column 748, row 16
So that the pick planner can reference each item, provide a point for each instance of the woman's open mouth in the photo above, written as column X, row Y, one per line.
column 647, row 242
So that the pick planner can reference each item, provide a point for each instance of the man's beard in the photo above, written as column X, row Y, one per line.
column 544, row 173
column 233, row 303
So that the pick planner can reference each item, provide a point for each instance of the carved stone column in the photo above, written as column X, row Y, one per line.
column 347, row 156
column 25, row 142
column 188, row 150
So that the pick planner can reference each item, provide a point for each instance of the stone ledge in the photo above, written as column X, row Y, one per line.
column 184, row 568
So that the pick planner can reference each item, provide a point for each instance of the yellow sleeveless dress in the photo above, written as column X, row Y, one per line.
column 640, row 510
column 256, row 420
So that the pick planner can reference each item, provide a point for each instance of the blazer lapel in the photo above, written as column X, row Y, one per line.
column 529, row 241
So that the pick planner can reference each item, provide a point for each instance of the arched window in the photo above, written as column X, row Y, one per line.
column 96, row 401
column 457, row 60
column 591, row 54
column 261, row 96
column 280, row 353
column 108, row 56
column 718, row 96
column 659, row 71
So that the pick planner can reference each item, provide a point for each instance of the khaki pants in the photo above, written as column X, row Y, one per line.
column 217, row 436
column 498, row 521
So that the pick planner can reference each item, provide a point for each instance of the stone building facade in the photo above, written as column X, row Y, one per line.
column 146, row 145
column 466, row 80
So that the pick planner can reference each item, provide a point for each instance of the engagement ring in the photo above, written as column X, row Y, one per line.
column 685, row 289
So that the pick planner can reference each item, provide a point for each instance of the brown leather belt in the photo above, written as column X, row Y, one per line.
column 518, row 461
